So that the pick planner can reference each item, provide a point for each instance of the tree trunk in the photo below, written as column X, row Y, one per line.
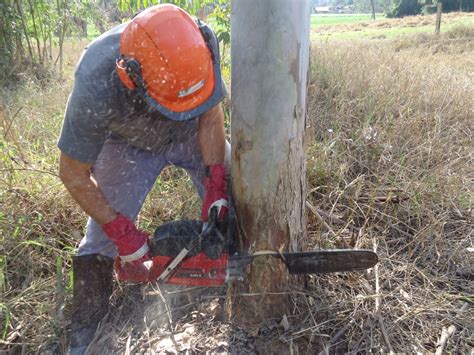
column 35, row 31
column 62, row 25
column 439, row 11
column 19, row 7
column 372, row 3
column 270, row 53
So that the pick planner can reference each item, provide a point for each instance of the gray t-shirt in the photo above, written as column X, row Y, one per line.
column 100, row 106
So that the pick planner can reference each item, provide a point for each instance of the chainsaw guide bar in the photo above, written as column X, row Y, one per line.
column 318, row 262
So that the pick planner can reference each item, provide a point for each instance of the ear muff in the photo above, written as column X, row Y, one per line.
column 208, row 36
column 123, row 68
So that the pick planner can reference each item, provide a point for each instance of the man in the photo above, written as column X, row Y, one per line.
column 146, row 94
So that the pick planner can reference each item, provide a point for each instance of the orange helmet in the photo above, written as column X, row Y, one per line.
column 172, row 61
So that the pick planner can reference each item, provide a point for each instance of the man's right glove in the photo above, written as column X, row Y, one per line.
column 132, row 248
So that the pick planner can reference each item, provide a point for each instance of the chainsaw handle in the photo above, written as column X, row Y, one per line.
column 213, row 215
column 211, row 223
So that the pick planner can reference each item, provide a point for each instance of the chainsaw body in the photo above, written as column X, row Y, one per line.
column 189, row 253
column 206, row 261
column 197, row 270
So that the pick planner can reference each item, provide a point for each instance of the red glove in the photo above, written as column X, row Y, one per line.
column 216, row 193
column 132, row 247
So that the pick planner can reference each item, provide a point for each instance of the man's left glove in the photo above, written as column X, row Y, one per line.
column 216, row 193
column 132, row 247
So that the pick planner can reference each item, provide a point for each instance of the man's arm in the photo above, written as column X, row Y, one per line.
column 211, row 136
column 131, row 243
column 212, row 142
column 76, row 177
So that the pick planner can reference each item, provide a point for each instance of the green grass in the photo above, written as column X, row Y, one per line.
column 371, row 33
column 336, row 19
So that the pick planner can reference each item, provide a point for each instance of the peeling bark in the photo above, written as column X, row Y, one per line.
column 270, row 53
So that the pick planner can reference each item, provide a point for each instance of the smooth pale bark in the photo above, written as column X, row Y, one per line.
column 439, row 11
column 270, row 53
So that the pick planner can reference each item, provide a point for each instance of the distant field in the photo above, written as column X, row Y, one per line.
column 360, row 26
column 336, row 19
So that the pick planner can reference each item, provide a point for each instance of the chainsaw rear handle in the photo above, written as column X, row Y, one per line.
column 211, row 224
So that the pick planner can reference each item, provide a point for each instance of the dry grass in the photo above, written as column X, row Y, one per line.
column 389, row 168
column 39, row 224
column 393, row 159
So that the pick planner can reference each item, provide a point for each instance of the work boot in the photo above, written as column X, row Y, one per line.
column 91, row 293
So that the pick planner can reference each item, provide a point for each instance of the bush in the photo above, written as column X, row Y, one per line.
column 405, row 8
column 428, row 9
column 457, row 5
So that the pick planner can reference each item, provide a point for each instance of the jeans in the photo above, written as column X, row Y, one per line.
column 126, row 175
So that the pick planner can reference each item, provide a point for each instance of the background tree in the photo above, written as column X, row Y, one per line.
column 372, row 2
column 31, row 29
column 366, row 6
column 405, row 8
column 414, row 7
column 457, row 5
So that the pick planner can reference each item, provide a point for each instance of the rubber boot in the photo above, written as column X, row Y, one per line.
column 91, row 292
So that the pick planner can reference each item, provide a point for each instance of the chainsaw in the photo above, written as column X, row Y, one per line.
column 193, row 253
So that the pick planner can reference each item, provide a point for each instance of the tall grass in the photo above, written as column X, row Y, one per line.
column 390, row 167
column 39, row 224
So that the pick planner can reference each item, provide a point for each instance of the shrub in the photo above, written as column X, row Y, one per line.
column 405, row 8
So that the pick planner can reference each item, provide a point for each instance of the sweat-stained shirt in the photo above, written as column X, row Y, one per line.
column 100, row 106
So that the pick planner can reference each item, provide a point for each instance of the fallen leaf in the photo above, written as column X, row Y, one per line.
column 284, row 322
